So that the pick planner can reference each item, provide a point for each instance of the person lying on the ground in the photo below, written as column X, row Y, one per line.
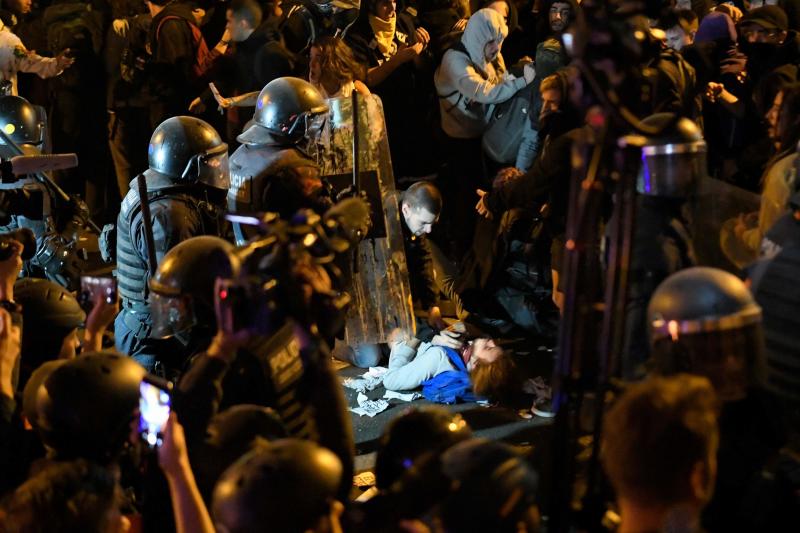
column 477, row 368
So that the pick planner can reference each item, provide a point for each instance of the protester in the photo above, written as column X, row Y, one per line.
column 238, row 313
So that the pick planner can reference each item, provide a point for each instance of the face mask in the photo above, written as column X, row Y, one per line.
column 759, row 55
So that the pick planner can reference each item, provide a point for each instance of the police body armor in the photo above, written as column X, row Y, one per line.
column 251, row 167
column 283, row 111
column 132, row 269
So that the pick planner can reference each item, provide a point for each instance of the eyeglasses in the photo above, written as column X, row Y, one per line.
column 756, row 31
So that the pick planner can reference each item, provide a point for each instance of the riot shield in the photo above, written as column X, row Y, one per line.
column 380, row 290
column 715, row 213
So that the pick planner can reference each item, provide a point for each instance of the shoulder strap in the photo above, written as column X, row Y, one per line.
column 455, row 358
column 459, row 47
column 166, row 18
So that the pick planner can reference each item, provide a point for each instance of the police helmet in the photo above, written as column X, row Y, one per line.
column 674, row 162
column 187, row 150
column 282, row 110
column 416, row 432
column 86, row 406
column 499, row 484
column 182, row 291
column 20, row 121
column 705, row 321
column 288, row 484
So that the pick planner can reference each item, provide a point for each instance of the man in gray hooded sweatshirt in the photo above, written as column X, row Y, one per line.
column 471, row 77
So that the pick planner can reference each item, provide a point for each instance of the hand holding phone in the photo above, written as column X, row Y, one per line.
column 96, row 288
column 172, row 454
column 154, row 409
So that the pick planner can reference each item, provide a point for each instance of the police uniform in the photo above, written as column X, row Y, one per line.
column 188, row 167
column 270, row 144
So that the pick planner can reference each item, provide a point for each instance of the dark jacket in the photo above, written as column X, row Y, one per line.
column 403, row 92
column 306, row 394
column 420, row 270
column 124, row 61
column 304, row 21
column 173, row 55
column 548, row 180
column 252, row 64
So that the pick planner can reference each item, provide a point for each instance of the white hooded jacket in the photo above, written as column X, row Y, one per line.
column 469, row 86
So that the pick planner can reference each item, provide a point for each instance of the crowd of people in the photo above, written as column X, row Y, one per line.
column 170, row 307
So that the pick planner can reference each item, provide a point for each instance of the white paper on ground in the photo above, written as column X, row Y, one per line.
column 407, row 397
column 368, row 381
column 369, row 407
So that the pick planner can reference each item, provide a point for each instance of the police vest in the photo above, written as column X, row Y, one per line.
column 251, row 168
column 132, row 269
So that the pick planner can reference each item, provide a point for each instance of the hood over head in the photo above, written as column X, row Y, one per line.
column 484, row 26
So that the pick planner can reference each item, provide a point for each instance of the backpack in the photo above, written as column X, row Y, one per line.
column 506, row 124
column 452, row 385
column 503, row 134
column 203, row 56
column 75, row 26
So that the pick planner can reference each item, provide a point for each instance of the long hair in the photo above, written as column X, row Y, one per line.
column 789, row 115
column 338, row 61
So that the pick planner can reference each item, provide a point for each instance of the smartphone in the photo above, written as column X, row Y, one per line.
column 154, row 407
column 93, row 287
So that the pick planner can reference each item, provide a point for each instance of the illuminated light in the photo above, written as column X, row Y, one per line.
column 452, row 426
column 570, row 245
column 673, row 330
column 309, row 239
column 223, row 294
column 9, row 128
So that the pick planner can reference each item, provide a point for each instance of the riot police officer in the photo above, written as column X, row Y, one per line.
column 673, row 165
column 308, row 399
column 186, row 183
column 66, row 240
column 705, row 321
column 21, row 123
column 270, row 147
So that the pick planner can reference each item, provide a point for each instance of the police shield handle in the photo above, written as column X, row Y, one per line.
column 34, row 164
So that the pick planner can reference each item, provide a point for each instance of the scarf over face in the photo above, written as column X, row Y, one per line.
column 384, row 34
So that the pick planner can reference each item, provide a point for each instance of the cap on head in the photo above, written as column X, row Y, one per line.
column 768, row 17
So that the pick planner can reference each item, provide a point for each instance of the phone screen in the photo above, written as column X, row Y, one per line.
column 93, row 286
column 154, row 407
